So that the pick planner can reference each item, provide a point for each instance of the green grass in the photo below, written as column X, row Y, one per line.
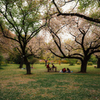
column 43, row 85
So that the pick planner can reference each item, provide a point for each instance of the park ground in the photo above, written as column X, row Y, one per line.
column 43, row 85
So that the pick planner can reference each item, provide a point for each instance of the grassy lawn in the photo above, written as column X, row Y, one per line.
column 43, row 85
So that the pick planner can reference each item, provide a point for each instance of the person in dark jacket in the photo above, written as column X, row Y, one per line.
column 53, row 67
column 68, row 70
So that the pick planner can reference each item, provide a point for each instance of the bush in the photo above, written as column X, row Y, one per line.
column 14, row 59
column 78, row 63
column 72, row 61
column 55, row 61
column 64, row 62
column 33, row 60
column 90, row 63
column 93, row 59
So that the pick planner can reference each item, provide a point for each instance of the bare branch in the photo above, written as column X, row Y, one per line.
column 75, row 5
column 56, row 54
column 75, row 14
column 3, row 32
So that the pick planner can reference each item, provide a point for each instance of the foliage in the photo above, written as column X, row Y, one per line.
column 50, row 57
column 84, row 4
column 64, row 61
column 81, row 46
column 23, row 18
column 17, row 59
column 55, row 61
column 78, row 63
column 14, row 58
column 93, row 59
column 96, row 14
column 90, row 63
column 33, row 60
column 92, row 6
column 72, row 61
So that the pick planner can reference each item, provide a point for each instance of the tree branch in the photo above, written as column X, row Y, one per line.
column 75, row 14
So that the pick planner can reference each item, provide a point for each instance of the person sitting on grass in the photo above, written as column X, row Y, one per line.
column 68, row 70
column 64, row 70
column 54, row 67
column 48, row 67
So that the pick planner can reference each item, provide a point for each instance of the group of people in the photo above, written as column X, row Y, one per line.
column 65, row 71
column 51, row 68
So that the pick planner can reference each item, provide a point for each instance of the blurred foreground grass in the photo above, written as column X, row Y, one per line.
column 43, row 85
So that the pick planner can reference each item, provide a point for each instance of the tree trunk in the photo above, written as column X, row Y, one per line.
column 21, row 63
column 45, row 62
column 84, row 66
column 98, row 63
column 28, row 68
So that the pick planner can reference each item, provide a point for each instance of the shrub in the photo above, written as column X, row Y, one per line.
column 78, row 63
column 55, row 62
column 93, row 59
column 90, row 63
column 72, row 61
column 13, row 59
column 64, row 61
column 33, row 60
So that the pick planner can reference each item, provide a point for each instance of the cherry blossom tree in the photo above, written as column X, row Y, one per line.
column 23, row 18
column 83, row 44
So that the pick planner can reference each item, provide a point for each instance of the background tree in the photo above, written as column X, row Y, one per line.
column 23, row 19
column 84, row 43
column 98, row 62
column 1, row 59
column 9, row 49
column 93, row 59
column 5, row 46
column 98, row 59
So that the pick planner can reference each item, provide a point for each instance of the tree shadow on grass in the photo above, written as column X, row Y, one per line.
column 2, row 67
column 86, row 74
column 79, row 74
column 52, row 71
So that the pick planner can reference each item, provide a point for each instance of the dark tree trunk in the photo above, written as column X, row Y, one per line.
column 28, row 68
column 21, row 63
column 45, row 62
column 98, row 63
column 84, row 66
